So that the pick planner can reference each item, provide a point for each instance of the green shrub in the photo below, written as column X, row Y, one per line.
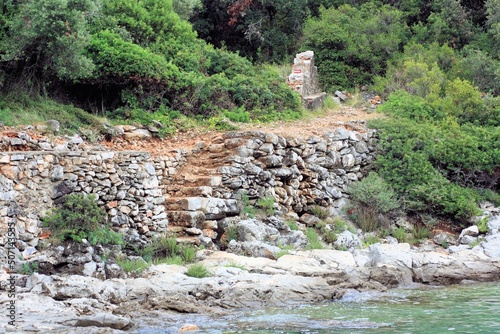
column 198, row 270
column 400, row 234
column 434, row 166
column 372, row 198
column 314, row 241
column 266, row 204
column 170, row 260
column 374, row 191
column 248, row 209
column 235, row 265
column 28, row 268
column 76, row 218
column 405, row 105
column 330, row 236
column 105, row 236
column 349, row 53
column 319, row 212
column 370, row 240
column 231, row 233
column 292, row 224
column 482, row 225
column 188, row 253
column 135, row 266
column 421, row 232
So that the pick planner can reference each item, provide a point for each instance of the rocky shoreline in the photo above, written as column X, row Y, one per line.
column 77, row 304
column 77, row 290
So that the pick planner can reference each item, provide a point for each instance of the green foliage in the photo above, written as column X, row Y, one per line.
column 46, row 39
column 482, row 225
column 430, row 164
column 370, row 239
column 292, row 224
column 198, row 270
column 448, row 23
column 373, row 198
column 28, row 268
column 260, row 30
column 349, row 53
column 405, row 105
column 188, row 253
column 134, row 266
column 117, row 57
column 167, row 250
column 493, row 22
column 231, row 233
column 77, row 218
column 400, row 234
column 375, row 192
column 235, row 265
column 319, row 212
column 285, row 250
column 105, row 236
column 313, row 237
column 170, row 260
column 19, row 108
column 266, row 204
column 421, row 232
column 481, row 69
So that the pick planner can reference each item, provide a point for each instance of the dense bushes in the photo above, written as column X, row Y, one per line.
column 128, row 55
column 373, row 200
column 439, row 154
column 79, row 217
column 350, row 53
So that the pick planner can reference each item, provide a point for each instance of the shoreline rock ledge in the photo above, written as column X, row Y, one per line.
column 79, row 304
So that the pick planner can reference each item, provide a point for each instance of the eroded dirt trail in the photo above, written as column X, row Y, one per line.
column 315, row 124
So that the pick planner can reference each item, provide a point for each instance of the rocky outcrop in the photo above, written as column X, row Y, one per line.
column 240, row 282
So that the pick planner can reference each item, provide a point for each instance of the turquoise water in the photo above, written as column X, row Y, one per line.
column 458, row 309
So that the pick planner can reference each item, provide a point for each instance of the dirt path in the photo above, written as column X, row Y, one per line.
column 313, row 124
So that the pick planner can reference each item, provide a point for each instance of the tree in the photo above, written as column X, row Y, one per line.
column 349, row 53
column 449, row 23
column 259, row 29
column 45, row 40
column 493, row 14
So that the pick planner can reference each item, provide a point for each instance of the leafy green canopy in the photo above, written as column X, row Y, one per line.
column 438, row 161
column 350, row 53
column 140, row 54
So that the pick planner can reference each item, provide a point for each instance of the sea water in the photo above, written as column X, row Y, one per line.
column 472, row 308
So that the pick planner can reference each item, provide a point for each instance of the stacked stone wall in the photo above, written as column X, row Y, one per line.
column 127, row 185
column 298, row 173
column 134, row 188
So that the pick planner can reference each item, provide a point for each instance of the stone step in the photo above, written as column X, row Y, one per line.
column 203, row 170
column 185, row 218
column 196, row 181
column 180, row 191
column 211, row 160
column 213, row 208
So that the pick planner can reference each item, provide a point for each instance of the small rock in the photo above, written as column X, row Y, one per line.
column 188, row 328
column 53, row 125
column 104, row 320
column 341, row 95
column 472, row 231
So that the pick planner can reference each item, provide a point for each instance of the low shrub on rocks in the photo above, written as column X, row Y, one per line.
column 198, row 270
column 373, row 199
column 79, row 217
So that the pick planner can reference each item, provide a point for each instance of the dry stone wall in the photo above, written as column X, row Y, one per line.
column 188, row 192
column 298, row 173
column 127, row 184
